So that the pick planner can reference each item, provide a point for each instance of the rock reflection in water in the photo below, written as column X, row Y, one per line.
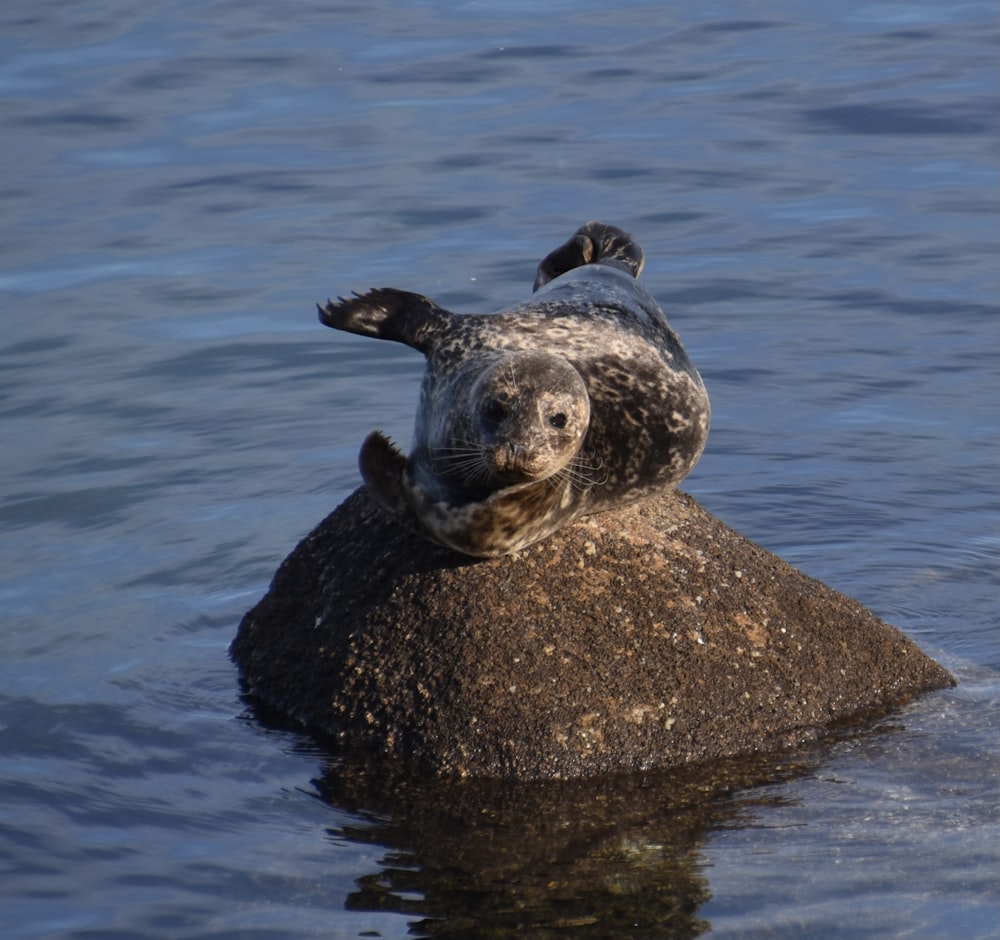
column 606, row 857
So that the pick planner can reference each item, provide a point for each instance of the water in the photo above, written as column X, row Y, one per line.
column 815, row 186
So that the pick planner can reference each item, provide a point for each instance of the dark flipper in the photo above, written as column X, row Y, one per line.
column 593, row 243
column 382, row 466
column 388, row 313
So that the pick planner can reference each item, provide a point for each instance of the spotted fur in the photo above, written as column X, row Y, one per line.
column 577, row 400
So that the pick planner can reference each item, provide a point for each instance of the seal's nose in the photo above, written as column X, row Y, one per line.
column 513, row 454
column 512, row 461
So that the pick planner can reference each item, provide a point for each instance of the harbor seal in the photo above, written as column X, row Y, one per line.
column 572, row 402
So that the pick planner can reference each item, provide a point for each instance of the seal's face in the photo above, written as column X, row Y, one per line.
column 524, row 419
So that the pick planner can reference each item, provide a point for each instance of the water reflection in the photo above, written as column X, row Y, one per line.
column 614, row 856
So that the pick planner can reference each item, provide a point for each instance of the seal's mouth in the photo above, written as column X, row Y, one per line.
column 516, row 463
column 513, row 463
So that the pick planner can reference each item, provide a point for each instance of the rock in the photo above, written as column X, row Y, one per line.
column 648, row 637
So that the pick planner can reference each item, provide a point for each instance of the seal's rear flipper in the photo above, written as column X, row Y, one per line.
column 578, row 251
column 388, row 313
column 593, row 243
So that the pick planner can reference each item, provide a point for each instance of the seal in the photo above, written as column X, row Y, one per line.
column 572, row 402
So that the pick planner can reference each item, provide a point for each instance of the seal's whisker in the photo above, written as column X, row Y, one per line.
column 454, row 463
column 458, row 443
column 455, row 453
column 472, row 472
column 458, row 466
column 513, row 377
column 580, row 474
column 463, row 460
column 457, row 450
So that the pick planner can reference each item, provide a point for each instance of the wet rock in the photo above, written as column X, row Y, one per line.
column 649, row 637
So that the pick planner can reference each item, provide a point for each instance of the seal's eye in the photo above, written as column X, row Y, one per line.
column 494, row 411
column 558, row 420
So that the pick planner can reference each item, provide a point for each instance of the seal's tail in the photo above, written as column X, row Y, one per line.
column 593, row 243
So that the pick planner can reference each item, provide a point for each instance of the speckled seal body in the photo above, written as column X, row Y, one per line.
column 574, row 401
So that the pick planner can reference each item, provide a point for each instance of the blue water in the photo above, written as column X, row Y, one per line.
column 816, row 189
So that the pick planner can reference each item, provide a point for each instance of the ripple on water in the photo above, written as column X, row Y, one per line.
column 815, row 189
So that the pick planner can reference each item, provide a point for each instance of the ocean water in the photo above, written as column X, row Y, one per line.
column 816, row 189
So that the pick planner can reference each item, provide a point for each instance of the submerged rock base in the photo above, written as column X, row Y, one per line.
column 652, row 636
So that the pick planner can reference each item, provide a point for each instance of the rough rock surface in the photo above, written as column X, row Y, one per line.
column 647, row 637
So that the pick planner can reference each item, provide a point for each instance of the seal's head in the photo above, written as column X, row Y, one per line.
column 523, row 420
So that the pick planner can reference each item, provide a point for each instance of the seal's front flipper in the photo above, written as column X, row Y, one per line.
column 382, row 465
column 388, row 313
column 593, row 243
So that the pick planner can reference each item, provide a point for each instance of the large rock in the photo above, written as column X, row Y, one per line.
column 647, row 637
